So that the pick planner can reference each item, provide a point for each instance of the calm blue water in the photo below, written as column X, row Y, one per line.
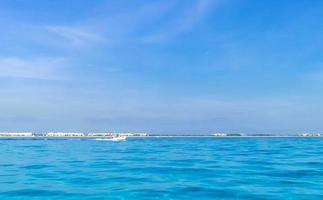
column 162, row 168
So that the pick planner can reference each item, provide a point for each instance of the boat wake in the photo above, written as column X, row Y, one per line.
column 114, row 139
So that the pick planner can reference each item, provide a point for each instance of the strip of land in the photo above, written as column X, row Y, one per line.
column 141, row 135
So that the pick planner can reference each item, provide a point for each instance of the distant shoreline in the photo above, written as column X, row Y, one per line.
column 168, row 136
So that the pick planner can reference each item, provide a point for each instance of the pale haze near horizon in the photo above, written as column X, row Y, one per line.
column 169, row 66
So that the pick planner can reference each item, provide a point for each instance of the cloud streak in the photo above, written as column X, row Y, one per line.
column 39, row 68
column 75, row 36
column 152, row 22
column 183, row 22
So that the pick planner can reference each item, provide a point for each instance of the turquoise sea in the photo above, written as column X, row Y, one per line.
column 161, row 168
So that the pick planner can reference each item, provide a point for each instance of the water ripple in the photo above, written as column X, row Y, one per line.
column 163, row 168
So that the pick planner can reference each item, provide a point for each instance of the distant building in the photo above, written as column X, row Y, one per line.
column 310, row 134
column 99, row 134
column 140, row 134
column 125, row 134
column 21, row 134
column 62, row 134
column 219, row 134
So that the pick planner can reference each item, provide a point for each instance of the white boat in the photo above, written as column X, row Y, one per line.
column 118, row 138
column 114, row 138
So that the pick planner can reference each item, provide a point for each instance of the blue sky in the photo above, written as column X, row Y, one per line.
column 175, row 66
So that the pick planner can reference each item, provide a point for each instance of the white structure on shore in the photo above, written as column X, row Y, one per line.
column 220, row 134
column 140, row 134
column 311, row 135
column 19, row 134
column 124, row 134
column 99, row 134
column 62, row 134
column 132, row 134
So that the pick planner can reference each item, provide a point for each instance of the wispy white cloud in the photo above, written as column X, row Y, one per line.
column 39, row 68
column 183, row 22
column 122, row 27
column 149, row 23
column 76, row 36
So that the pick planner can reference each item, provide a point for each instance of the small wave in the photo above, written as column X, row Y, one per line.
column 102, row 139
column 37, row 193
column 35, row 166
column 108, row 139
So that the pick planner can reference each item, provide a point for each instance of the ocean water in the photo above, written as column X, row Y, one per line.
column 162, row 168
